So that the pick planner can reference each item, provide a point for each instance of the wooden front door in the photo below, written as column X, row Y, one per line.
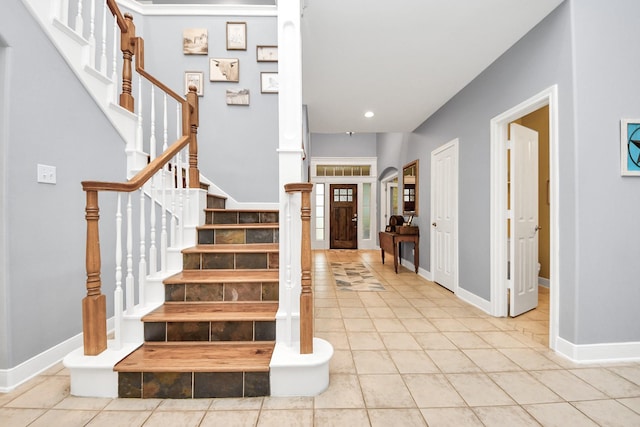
column 344, row 216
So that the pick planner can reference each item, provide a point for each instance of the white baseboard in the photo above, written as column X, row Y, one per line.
column 13, row 377
column 474, row 300
column 599, row 353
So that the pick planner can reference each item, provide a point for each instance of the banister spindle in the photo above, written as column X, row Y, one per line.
column 114, row 61
column 129, row 280
column 92, row 36
column 79, row 21
column 117, row 294
column 139, row 132
column 94, row 305
column 153, row 254
column 142, row 263
column 64, row 12
column 152, row 138
column 103, row 55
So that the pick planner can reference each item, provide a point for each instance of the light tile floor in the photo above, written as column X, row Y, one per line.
column 412, row 355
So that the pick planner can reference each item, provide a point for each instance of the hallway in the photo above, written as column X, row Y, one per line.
column 411, row 355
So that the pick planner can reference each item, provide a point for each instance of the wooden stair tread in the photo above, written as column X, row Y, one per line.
column 238, row 248
column 219, row 276
column 213, row 311
column 199, row 357
column 234, row 226
column 242, row 210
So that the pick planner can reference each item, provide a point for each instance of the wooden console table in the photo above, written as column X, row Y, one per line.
column 390, row 242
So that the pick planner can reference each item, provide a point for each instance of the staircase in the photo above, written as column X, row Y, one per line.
column 215, row 334
column 229, row 324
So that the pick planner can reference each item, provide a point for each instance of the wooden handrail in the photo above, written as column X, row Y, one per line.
column 115, row 11
column 306, row 294
column 141, row 177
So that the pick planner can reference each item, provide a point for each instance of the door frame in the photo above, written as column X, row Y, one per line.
column 498, row 205
column 385, row 184
column 372, row 179
column 456, row 147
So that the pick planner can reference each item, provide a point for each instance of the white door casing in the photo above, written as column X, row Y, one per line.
column 444, row 215
column 524, row 220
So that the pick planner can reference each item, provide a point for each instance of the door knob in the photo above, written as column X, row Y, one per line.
column 538, row 228
column 434, row 224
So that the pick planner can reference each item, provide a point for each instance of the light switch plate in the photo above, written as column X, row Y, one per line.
column 47, row 174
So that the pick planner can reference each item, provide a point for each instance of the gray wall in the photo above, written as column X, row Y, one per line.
column 50, row 120
column 343, row 145
column 597, row 86
column 607, row 204
column 539, row 60
column 234, row 142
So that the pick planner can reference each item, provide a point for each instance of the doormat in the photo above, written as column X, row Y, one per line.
column 354, row 276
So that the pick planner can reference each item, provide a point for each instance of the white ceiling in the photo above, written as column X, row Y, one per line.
column 402, row 59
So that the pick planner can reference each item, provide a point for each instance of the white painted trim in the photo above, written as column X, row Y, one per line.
column 498, row 202
column 13, row 377
column 198, row 9
column 474, row 300
column 598, row 353
column 455, row 145
column 385, row 185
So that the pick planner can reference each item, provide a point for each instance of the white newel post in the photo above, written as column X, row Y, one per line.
column 292, row 373
column 290, row 152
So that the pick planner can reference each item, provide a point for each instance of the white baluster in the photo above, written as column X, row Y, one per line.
column 153, row 253
column 114, row 63
column 179, row 180
column 152, row 139
column 142, row 264
column 130, row 280
column 180, row 198
column 79, row 22
column 288, row 281
column 163, row 233
column 187, row 206
column 165, row 124
column 92, row 37
column 103, row 56
column 173, row 227
column 117, row 294
column 63, row 12
column 139, row 133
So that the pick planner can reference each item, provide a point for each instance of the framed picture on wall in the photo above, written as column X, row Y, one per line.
column 224, row 70
column 238, row 97
column 194, row 78
column 236, row 36
column 630, row 147
column 267, row 53
column 195, row 41
column 269, row 82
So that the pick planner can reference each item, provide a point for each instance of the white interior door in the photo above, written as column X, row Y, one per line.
column 444, row 215
column 524, row 223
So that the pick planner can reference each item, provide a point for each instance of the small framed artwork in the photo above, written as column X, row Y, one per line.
column 388, row 229
column 269, row 82
column 194, row 78
column 224, row 70
column 236, row 36
column 630, row 147
column 267, row 53
column 195, row 41
column 238, row 97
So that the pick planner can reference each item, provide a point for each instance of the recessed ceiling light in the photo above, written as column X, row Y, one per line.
column 369, row 114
